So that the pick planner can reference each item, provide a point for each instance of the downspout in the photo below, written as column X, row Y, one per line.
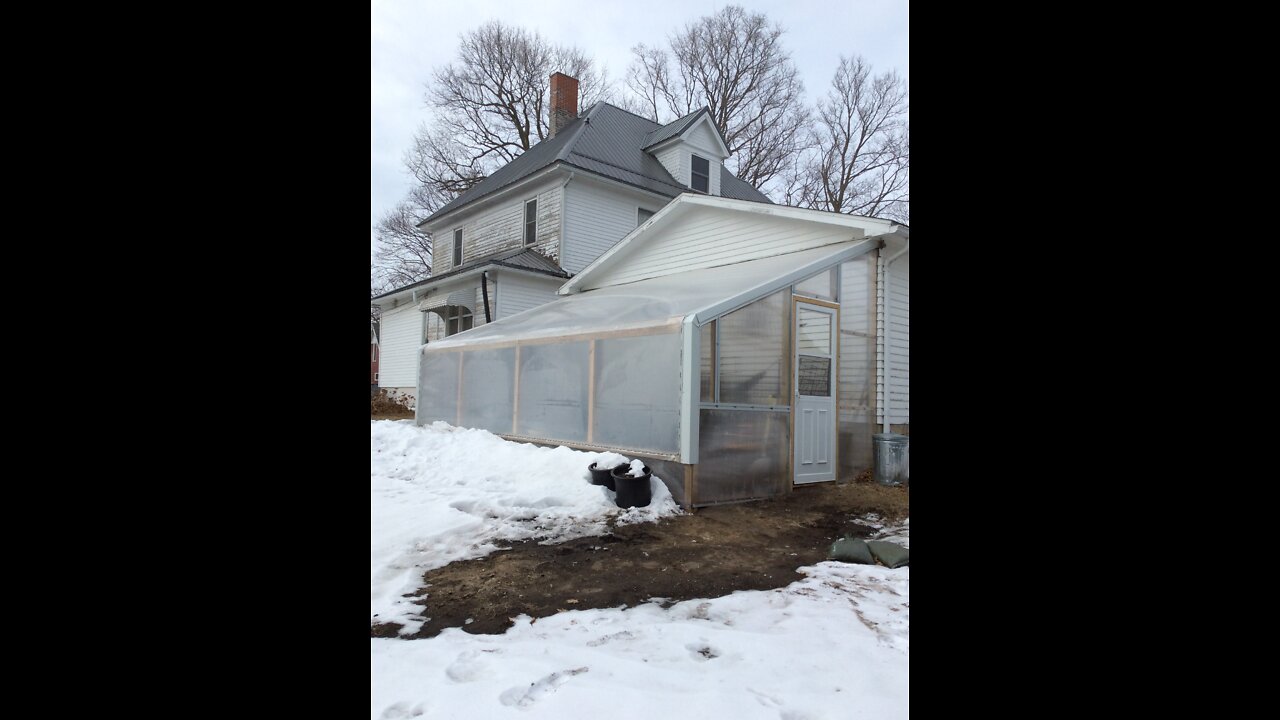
column 563, row 207
column 484, row 290
column 888, row 375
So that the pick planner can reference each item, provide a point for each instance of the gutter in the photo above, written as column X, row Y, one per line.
column 887, row 355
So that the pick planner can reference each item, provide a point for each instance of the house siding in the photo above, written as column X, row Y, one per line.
column 718, row 238
column 898, row 339
column 398, row 354
column 596, row 218
column 676, row 160
column 502, row 228
column 522, row 292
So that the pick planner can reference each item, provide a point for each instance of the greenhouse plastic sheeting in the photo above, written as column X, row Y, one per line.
column 637, row 398
column 438, row 399
column 647, row 303
column 553, row 392
column 488, row 378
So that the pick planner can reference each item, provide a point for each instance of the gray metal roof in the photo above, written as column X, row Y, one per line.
column 519, row 259
column 607, row 141
column 673, row 128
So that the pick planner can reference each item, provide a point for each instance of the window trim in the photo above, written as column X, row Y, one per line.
column 530, row 239
column 694, row 173
column 457, row 247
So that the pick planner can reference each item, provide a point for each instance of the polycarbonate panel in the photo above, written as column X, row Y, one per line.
column 708, row 348
column 742, row 454
column 553, row 392
column 671, row 474
column 438, row 388
column 755, row 349
column 814, row 335
column 637, row 393
column 822, row 285
column 488, row 379
column 856, row 388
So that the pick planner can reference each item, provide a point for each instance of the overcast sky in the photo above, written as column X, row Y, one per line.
column 409, row 38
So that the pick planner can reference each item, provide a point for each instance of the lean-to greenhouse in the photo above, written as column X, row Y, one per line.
column 739, row 348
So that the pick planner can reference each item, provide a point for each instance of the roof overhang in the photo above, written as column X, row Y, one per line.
column 705, row 117
column 689, row 203
column 421, row 289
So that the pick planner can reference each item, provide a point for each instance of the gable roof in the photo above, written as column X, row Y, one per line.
column 669, row 228
column 607, row 141
column 678, row 127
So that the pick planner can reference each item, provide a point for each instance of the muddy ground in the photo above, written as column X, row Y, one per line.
column 710, row 553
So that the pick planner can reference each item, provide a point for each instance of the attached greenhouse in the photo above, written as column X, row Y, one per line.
column 734, row 381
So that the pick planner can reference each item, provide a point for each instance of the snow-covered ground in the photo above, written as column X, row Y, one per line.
column 441, row 494
column 834, row 645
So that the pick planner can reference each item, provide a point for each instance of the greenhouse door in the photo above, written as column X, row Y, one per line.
column 815, row 402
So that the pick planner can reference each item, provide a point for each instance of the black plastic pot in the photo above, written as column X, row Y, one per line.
column 632, row 491
column 602, row 476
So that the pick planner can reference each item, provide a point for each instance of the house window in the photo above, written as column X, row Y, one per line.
column 456, row 319
column 701, row 174
column 530, row 221
column 375, row 377
column 457, row 247
column 375, row 353
column 643, row 215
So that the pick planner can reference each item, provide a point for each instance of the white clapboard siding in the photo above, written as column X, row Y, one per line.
column 675, row 159
column 713, row 238
column 596, row 217
column 401, row 336
column 899, row 342
column 501, row 228
column 517, row 293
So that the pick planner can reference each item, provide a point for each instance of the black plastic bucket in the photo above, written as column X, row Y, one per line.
column 632, row 491
column 602, row 476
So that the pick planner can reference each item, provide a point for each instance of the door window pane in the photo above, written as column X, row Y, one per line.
column 814, row 333
column 815, row 376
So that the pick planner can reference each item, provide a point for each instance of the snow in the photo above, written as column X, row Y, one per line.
column 833, row 645
column 442, row 493
column 637, row 468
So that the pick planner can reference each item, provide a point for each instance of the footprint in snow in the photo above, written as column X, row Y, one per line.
column 402, row 710
column 524, row 697
column 468, row 667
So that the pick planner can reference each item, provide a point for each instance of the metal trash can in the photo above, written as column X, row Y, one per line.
column 892, row 458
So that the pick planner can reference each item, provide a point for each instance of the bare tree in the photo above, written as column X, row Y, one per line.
column 488, row 107
column 858, row 157
column 734, row 63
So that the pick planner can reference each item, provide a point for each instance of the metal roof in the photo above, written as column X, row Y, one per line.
column 607, row 141
column 673, row 128
column 519, row 259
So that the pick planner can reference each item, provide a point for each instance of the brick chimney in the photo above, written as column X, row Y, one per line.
column 564, row 101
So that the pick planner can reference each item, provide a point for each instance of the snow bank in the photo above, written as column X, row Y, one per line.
column 834, row 645
column 440, row 494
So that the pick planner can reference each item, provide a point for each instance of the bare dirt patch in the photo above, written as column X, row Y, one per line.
column 752, row 546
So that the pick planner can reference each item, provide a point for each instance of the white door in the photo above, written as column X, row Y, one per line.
column 815, row 397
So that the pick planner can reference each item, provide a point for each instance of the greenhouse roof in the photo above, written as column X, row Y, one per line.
column 660, row 302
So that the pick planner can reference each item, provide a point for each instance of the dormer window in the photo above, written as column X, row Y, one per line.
column 701, row 179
